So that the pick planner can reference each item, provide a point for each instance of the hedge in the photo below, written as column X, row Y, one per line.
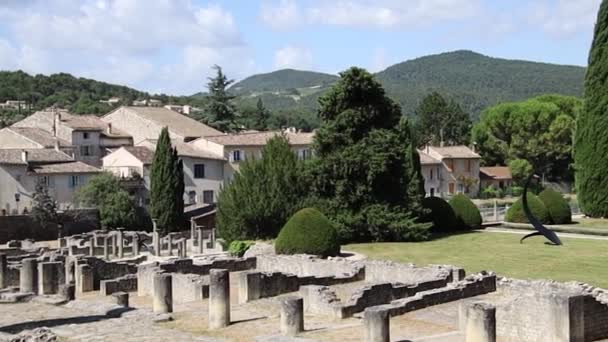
column 557, row 207
column 441, row 214
column 308, row 232
column 516, row 212
column 467, row 213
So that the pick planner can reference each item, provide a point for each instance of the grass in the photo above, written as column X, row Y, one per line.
column 591, row 223
column 578, row 259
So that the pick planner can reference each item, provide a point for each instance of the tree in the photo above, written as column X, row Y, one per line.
column 166, row 186
column 263, row 194
column 364, row 170
column 440, row 120
column 44, row 207
column 116, row 207
column 521, row 169
column 591, row 142
column 261, row 116
column 539, row 130
column 221, row 110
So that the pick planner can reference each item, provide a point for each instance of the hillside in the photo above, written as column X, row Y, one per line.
column 474, row 80
column 477, row 81
column 286, row 80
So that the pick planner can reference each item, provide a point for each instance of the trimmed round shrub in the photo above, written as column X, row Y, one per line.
column 467, row 213
column 308, row 232
column 516, row 212
column 557, row 206
column 441, row 214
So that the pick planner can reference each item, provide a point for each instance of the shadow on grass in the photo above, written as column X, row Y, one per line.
column 49, row 323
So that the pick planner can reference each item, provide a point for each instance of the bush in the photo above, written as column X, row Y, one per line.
column 489, row 192
column 308, row 232
column 440, row 213
column 516, row 212
column 467, row 213
column 238, row 248
column 516, row 191
column 557, row 207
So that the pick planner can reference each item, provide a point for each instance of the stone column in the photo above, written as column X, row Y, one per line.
column 114, row 246
column 135, row 244
column 199, row 239
column 28, row 275
column 84, row 282
column 3, row 270
column 48, row 277
column 106, row 253
column 170, row 244
column 184, row 253
column 377, row 325
column 480, row 323
column 92, row 246
column 121, row 243
column 292, row 316
column 70, row 270
column 122, row 298
column 156, row 243
column 249, row 286
column 219, row 298
column 163, row 293
column 179, row 247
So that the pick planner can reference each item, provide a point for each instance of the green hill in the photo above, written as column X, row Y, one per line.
column 473, row 80
column 477, row 81
column 288, row 81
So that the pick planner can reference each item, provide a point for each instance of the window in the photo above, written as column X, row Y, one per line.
column 208, row 196
column 431, row 177
column 304, row 153
column 86, row 150
column 85, row 135
column 236, row 156
column 460, row 188
column 451, row 188
column 432, row 192
column 192, row 197
column 450, row 164
column 199, row 170
column 74, row 181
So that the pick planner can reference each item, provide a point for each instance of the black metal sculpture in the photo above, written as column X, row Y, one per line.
column 541, row 230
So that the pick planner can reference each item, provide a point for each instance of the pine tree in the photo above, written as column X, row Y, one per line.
column 261, row 116
column 44, row 207
column 221, row 110
column 366, row 166
column 166, row 186
column 591, row 142
column 439, row 119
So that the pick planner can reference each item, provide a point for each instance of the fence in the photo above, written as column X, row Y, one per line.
column 497, row 212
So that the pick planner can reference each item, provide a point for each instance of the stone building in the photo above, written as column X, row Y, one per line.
column 450, row 170
column 498, row 177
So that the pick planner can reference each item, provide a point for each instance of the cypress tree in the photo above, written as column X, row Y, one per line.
column 591, row 140
column 166, row 185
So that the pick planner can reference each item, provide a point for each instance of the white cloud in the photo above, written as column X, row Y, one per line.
column 133, row 42
column 564, row 18
column 280, row 16
column 382, row 14
column 293, row 57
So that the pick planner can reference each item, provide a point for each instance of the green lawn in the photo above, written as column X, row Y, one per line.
column 577, row 259
column 590, row 223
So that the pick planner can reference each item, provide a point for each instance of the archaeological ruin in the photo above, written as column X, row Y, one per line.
column 183, row 287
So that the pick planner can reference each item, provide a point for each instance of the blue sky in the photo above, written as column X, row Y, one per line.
column 169, row 45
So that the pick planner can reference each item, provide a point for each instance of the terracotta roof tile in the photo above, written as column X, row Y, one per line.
column 259, row 138
column 177, row 123
column 36, row 155
column 495, row 172
column 69, row 167
column 460, row 151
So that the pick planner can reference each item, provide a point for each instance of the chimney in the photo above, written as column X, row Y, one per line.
column 109, row 129
column 428, row 148
column 56, row 120
column 24, row 156
column 56, row 145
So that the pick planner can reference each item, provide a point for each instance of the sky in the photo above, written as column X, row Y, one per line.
column 169, row 46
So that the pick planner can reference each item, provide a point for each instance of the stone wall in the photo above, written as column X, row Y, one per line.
column 256, row 285
column 21, row 227
column 189, row 287
column 596, row 319
column 306, row 265
column 127, row 283
column 145, row 273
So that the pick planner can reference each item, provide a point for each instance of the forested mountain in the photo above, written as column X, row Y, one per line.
column 286, row 80
column 473, row 80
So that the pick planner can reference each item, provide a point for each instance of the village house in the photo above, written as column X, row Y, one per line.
column 237, row 147
column 22, row 169
column 498, row 177
column 450, row 170
column 87, row 135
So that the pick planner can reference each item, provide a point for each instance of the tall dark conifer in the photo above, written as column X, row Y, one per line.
column 166, row 185
column 591, row 140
